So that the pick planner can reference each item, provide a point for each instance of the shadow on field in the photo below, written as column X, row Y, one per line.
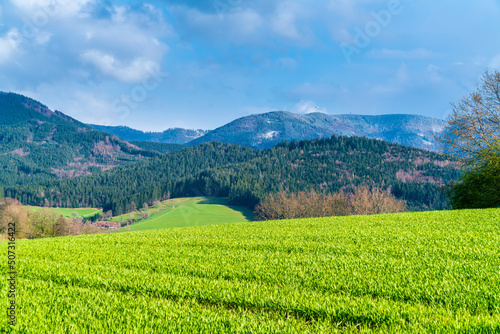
column 246, row 212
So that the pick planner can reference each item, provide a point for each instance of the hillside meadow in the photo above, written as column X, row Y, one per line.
column 196, row 211
column 430, row 272
column 67, row 212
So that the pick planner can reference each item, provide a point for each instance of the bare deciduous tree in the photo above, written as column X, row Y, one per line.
column 472, row 131
column 11, row 211
column 366, row 201
column 363, row 201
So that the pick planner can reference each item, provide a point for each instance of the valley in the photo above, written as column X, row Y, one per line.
column 245, row 167
column 157, row 231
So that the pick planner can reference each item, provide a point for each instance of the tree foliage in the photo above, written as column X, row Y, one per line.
column 472, row 133
column 479, row 187
column 39, row 145
column 246, row 175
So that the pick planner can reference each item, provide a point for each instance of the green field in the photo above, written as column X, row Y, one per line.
column 432, row 272
column 196, row 211
column 85, row 212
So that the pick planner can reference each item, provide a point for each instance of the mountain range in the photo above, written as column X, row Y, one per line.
column 38, row 144
column 268, row 129
column 50, row 159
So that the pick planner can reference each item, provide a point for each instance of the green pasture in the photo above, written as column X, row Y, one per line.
column 185, row 212
column 85, row 212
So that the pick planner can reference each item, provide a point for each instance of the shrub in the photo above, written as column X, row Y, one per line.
column 363, row 201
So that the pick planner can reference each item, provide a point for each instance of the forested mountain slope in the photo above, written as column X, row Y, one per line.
column 38, row 144
column 246, row 175
column 162, row 148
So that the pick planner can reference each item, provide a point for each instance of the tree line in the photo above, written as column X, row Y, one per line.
column 40, row 223
column 309, row 204
column 246, row 176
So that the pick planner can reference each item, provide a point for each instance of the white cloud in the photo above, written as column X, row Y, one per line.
column 9, row 45
column 239, row 26
column 307, row 107
column 43, row 37
column 124, row 43
column 402, row 75
column 495, row 62
column 288, row 63
column 261, row 24
column 46, row 9
column 433, row 73
column 341, row 16
column 285, row 23
column 135, row 71
column 402, row 54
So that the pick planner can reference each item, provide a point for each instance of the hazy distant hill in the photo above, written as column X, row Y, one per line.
column 170, row 136
column 38, row 144
column 267, row 130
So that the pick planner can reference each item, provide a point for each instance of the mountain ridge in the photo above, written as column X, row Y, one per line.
column 265, row 130
column 17, row 108
column 268, row 129
column 38, row 144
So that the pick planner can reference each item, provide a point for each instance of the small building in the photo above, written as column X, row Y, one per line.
column 109, row 225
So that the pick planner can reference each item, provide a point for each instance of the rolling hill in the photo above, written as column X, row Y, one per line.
column 40, row 147
column 188, row 212
column 246, row 175
column 433, row 272
column 38, row 144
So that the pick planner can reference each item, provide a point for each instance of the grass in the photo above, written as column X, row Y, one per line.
column 85, row 212
column 185, row 212
column 431, row 272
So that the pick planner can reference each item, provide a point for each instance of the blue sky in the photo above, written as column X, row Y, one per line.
column 200, row 64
